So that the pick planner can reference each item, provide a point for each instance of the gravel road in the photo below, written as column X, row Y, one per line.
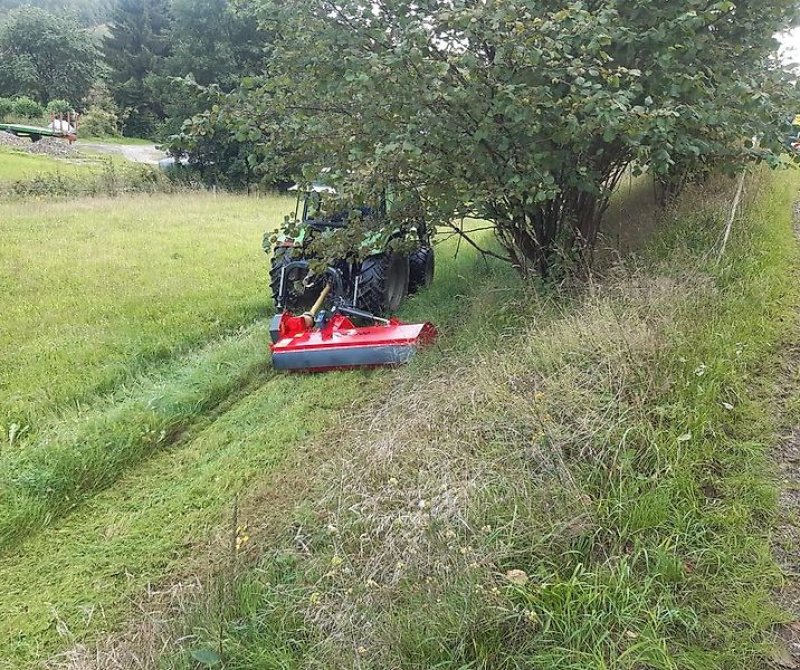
column 138, row 153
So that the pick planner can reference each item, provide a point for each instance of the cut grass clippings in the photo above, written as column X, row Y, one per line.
column 589, row 492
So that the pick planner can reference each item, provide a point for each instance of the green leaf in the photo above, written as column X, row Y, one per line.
column 207, row 657
column 471, row 105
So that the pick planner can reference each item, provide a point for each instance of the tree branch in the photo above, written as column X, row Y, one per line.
column 485, row 252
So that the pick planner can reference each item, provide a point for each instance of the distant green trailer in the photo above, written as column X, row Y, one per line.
column 61, row 126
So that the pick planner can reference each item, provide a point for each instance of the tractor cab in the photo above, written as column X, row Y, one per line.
column 310, row 208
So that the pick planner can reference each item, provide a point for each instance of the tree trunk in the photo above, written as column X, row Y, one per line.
column 557, row 233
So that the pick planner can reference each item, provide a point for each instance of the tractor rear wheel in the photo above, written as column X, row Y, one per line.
column 383, row 283
column 421, row 268
column 296, row 298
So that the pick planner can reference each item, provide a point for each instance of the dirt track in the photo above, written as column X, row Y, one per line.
column 786, row 541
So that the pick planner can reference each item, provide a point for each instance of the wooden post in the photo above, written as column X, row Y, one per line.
column 732, row 217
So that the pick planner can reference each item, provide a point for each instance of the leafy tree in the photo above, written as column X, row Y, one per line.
column 525, row 113
column 215, row 44
column 136, row 49
column 220, row 151
column 214, row 152
column 46, row 56
column 59, row 107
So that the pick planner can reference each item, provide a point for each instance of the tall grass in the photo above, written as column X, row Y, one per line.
column 589, row 490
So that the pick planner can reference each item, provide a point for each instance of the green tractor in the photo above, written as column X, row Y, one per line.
column 375, row 278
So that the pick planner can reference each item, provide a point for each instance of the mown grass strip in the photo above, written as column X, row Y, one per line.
column 45, row 479
column 85, row 576
column 149, row 526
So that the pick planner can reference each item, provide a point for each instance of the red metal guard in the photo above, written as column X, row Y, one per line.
column 339, row 344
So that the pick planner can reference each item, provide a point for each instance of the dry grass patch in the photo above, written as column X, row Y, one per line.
column 475, row 482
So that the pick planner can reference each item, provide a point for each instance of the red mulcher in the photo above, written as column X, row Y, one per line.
column 321, row 340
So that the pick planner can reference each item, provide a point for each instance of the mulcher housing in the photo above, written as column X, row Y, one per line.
column 328, row 339
column 340, row 345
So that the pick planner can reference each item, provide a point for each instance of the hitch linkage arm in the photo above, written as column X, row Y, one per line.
column 340, row 304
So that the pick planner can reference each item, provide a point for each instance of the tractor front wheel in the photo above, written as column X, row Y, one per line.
column 383, row 283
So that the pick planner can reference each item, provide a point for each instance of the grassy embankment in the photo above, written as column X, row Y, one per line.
column 137, row 418
column 18, row 165
column 84, row 172
column 584, row 485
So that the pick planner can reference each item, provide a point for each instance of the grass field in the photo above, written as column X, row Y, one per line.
column 115, row 140
column 153, row 405
column 94, row 291
column 582, row 439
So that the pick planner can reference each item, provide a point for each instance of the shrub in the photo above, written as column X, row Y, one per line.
column 524, row 114
column 59, row 107
column 112, row 181
column 27, row 108
column 6, row 107
column 98, row 122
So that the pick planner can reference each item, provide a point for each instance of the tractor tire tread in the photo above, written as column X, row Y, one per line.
column 418, row 260
column 279, row 259
column 372, row 284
